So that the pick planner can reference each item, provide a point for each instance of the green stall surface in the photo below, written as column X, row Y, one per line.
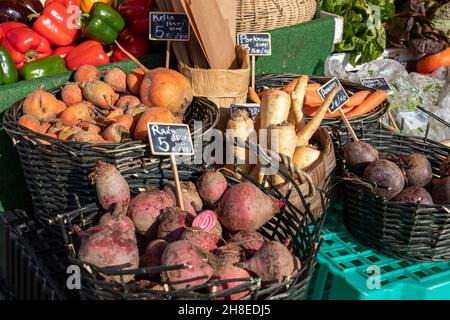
column 13, row 191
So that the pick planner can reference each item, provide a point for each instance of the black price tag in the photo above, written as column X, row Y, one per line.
column 169, row 26
column 170, row 139
column 258, row 44
column 377, row 83
column 252, row 109
column 341, row 97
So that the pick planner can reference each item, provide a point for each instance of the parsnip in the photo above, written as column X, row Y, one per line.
column 297, row 99
column 304, row 156
column 282, row 139
column 275, row 106
column 241, row 126
column 308, row 131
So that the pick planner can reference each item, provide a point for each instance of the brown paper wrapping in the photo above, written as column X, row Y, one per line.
column 224, row 87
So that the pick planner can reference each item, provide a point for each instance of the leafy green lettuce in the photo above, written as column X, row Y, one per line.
column 364, row 32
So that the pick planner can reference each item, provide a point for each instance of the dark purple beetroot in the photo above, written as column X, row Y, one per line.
column 387, row 176
column 414, row 194
column 445, row 168
column 441, row 191
column 358, row 155
column 417, row 170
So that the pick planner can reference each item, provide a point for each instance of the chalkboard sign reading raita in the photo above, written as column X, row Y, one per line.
column 170, row 139
column 258, row 44
column 169, row 26
column 341, row 97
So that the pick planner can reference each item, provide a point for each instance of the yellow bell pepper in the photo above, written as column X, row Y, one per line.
column 86, row 5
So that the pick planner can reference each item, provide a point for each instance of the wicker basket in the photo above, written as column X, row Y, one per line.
column 370, row 119
column 404, row 230
column 290, row 223
column 264, row 15
column 58, row 170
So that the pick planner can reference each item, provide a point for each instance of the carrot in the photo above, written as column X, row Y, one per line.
column 433, row 62
column 297, row 99
column 253, row 96
column 290, row 86
column 307, row 132
column 275, row 106
column 312, row 98
column 311, row 111
column 370, row 103
column 313, row 87
column 357, row 98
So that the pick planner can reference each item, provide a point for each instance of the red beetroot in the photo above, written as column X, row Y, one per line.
column 121, row 223
column 244, row 207
column 183, row 252
column 204, row 239
column 387, row 177
column 191, row 199
column 153, row 253
column 145, row 209
column 233, row 272
column 358, row 155
column 272, row 262
column 230, row 254
column 417, row 169
column 211, row 186
column 107, row 246
column 112, row 189
column 172, row 223
column 249, row 241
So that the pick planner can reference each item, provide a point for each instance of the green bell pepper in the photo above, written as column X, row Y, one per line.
column 43, row 67
column 104, row 24
column 8, row 71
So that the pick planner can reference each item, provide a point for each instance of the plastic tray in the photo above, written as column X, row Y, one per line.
column 34, row 260
column 348, row 270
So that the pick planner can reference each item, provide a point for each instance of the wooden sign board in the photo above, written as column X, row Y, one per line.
column 341, row 97
column 258, row 44
column 377, row 83
column 252, row 109
column 170, row 139
column 169, row 26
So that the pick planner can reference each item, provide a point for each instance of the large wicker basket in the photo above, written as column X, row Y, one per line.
column 289, row 224
column 264, row 15
column 56, row 171
column 411, row 231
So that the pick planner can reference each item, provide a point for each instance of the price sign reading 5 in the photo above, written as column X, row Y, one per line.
column 170, row 139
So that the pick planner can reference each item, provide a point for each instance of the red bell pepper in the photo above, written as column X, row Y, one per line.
column 136, row 44
column 88, row 52
column 66, row 3
column 6, row 26
column 24, row 45
column 136, row 15
column 62, row 51
column 58, row 24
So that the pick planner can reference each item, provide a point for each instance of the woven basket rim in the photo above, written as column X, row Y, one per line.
column 11, row 126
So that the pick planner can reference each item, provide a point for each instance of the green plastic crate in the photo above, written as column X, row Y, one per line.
column 342, row 271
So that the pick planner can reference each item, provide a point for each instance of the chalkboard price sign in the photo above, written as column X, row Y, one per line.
column 170, row 139
column 341, row 96
column 169, row 26
column 258, row 44
column 377, row 83
column 251, row 108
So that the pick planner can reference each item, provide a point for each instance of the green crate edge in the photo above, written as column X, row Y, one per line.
column 342, row 265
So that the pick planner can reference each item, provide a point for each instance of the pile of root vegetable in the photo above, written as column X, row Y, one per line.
column 282, row 115
column 108, row 106
column 402, row 178
column 216, row 233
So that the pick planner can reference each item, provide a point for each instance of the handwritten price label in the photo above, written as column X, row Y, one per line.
column 170, row 139
column 169, row 26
